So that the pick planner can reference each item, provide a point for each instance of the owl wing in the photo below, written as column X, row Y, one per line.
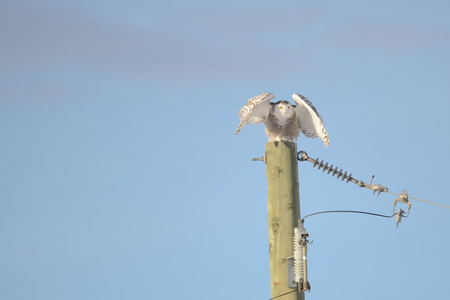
column 255, row 110
column 309, row 120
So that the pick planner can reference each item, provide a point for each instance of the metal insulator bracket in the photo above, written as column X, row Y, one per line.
column 399, row 216
column 377, row 188
column 403, row 198
column 262, row 158
column 297, row 264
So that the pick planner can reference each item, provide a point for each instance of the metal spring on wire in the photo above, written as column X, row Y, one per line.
column 334, row 171
column 376, row 188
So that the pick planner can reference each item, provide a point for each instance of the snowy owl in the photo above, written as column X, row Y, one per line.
column 284, row 120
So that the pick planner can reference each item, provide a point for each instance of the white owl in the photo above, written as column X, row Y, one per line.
column 284, row 120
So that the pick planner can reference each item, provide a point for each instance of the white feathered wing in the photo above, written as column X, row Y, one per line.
column 255, row 110
column 309, row 120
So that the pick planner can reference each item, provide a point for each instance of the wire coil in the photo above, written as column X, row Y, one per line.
column 376, row 188
column 303, row 156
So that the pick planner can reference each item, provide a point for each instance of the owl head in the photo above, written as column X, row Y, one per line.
column 285, row 108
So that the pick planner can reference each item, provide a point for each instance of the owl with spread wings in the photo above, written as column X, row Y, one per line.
column 283, row 120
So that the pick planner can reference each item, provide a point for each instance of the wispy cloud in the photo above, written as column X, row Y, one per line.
column 386, row 37
column 52, row 90
column 201, row 44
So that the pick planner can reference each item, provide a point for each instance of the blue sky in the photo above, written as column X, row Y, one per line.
column 121, row 176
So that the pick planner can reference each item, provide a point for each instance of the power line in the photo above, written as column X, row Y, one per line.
column 348, row 211
column 335, row 211
column 283, row 294
column 426, row 201
column 376, row 188
column 344, row 176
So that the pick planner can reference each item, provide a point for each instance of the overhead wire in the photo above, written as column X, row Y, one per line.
column 303, row 156
column 283, row 294
column 335, row 211
column 426, row 201
column 348, row 211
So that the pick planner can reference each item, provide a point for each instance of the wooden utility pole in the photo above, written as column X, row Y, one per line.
column 283, row 206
